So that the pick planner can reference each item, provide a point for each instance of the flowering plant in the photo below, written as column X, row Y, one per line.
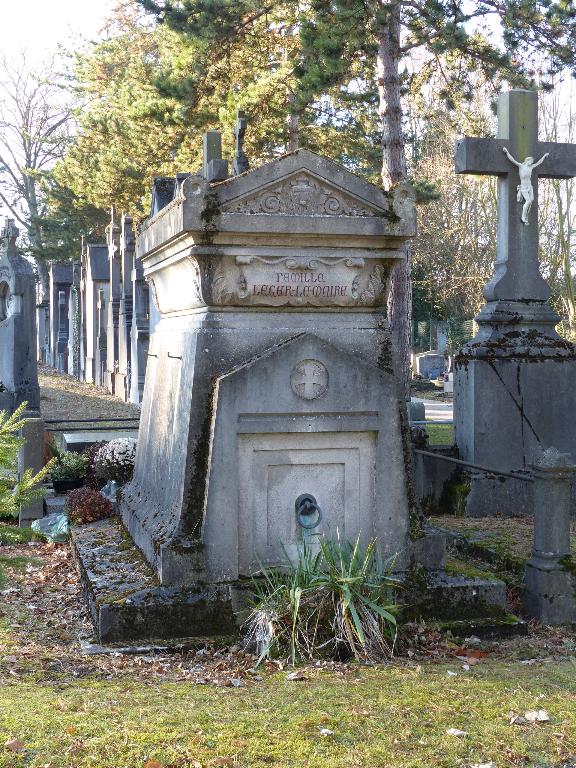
column 115, row 460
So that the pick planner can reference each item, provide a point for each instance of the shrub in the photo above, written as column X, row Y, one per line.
column 86, row 505
column 15, row 491
column 70, row 466
column 115, row 460
column 92, row 480
column 335, row 602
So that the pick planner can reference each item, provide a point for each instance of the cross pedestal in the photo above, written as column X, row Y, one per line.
column 513, row 383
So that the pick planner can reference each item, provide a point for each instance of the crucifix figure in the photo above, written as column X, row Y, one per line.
column 525, row 189
column 516, row 271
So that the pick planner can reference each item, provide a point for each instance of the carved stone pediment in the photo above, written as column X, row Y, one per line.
column 301, row 194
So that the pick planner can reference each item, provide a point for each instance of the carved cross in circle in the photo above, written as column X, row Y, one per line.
column 309, row 379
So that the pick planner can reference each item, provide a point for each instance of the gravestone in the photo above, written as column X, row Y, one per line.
column 94, row 278
column 60, row 286
column 74, row 323
column 113, row 233
column 43, row 326
column 18, row 346
column 514, row 382
column 430, row 365
column 18, row 368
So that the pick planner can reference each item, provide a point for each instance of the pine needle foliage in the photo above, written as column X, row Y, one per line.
column 335, row 602
column 14, row 491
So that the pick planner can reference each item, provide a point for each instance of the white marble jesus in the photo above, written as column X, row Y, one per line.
column 525, row 189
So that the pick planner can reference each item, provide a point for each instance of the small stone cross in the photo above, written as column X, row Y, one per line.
column 514, row 157
column 240, row 163
column 309, row 379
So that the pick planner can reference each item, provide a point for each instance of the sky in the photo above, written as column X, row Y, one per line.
column 38, row 26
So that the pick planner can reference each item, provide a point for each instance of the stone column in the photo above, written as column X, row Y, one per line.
column 549, row 582
column 124, row 373
column 113, row 314
column 101, row 341
column 140, row 333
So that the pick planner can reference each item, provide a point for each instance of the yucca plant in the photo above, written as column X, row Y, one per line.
column 337, row 601
column 15, row 491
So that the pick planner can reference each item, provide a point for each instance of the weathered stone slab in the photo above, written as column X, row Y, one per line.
column 125, row 598
column 79, row 441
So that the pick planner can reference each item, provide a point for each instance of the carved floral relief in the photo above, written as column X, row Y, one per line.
column 301, row 195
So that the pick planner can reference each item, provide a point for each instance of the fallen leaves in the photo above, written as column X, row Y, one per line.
column 298, row 675
column 15, row 745
column 537, row 716
column 532, row 716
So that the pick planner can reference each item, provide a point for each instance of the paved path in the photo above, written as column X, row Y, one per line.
column 436, row 410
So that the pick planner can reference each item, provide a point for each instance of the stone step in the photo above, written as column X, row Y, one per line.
column 126, row 600
column 435, row 595
column 127, row 603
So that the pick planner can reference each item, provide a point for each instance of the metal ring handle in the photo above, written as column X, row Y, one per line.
column 306, row 506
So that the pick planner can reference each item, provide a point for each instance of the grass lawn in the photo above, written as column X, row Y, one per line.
column 204, row 708
column 372, row 717
column 440, row 434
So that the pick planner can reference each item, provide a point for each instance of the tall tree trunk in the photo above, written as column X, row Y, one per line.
column 293, row 124
column 293, row 119
column 35, row 238
column 393, row 172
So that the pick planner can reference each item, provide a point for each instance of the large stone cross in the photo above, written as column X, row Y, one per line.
column 517, row 275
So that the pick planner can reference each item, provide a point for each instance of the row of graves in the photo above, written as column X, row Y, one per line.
column 271, row 415
column 96, row 320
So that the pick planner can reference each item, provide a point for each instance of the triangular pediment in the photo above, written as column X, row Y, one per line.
column 301, row 194
column 302, row 184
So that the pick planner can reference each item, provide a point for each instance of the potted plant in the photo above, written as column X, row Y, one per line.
column 69, row 471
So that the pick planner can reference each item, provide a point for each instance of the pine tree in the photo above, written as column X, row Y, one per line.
column 14, row 491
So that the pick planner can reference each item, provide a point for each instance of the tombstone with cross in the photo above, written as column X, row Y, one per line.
column 18, row 368
column 513, row 382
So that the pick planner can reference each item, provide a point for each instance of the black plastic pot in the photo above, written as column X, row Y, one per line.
column 63, row 486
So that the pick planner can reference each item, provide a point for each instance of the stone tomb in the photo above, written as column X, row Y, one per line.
column 94, row 288
column 269, row 376
column 237, row 268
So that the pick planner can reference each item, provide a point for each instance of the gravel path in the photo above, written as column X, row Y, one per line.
column 64, row 397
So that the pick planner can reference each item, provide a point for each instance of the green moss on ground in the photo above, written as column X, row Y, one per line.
column 507, row 541
column 394, row 717
column 457, row 567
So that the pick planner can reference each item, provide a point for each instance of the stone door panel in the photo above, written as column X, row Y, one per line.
column 274, row 469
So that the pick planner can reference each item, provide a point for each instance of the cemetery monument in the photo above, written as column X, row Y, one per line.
column 270, row 412
column 18, row 367
column 514, row 382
